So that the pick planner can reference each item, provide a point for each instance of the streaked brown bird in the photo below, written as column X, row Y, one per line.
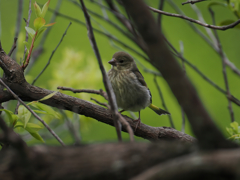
column 131, row 91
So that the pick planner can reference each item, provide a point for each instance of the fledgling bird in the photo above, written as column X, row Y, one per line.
column 131, row 91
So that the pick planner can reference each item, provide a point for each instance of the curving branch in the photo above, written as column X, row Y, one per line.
column 196, row 21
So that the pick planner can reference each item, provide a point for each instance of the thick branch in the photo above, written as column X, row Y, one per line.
column 27, row 92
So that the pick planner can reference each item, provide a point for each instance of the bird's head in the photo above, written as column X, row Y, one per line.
column 122, row 61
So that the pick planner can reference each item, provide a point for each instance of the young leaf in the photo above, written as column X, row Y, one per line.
column 37, row 10
column 37, row 136
column 31, row 127
column 11, row 117
column 40, row 31
column 230, row 131
column 49, row 96
column 41, row 112
column 234, row 125
column 24, row 114
column 30, row 31
column 45, row 8
column 47, row 109
column 38, row 23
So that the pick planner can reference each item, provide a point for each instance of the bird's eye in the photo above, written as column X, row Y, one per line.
column 121, row 61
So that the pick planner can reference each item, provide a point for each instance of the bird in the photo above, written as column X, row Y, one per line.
column 129, row 86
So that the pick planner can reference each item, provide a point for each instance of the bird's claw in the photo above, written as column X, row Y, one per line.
column 138, row 123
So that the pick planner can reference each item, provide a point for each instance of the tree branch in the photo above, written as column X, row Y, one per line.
column 209, row 136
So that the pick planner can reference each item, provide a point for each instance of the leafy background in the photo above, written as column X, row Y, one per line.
column 74, row 65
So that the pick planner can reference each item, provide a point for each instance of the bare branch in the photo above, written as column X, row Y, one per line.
column 99, row 92
column 18, row 22
column 223, row 67
column 50, row 58
column 71, row 128
column 107, row 84
column 193, row 2
column 42, row 121
column 13, row 46
column 196, row 21
column 163, row 102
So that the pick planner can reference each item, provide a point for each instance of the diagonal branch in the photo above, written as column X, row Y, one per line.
column 42, row 121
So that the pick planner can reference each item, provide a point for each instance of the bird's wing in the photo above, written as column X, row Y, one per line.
column 142, row 81
column 140, row 77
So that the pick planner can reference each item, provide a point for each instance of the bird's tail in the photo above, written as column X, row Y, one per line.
column 158, row 110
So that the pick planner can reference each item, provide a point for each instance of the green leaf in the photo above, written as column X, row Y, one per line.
column 32, row 129
column 45, row 8
column 48, row 96
column 11, row 117
column 30, row 31
column 40, row 31
column 41, row 112
column 38, row 23
column 46, row 108
column 227, row 22
column 24, row 114
column 37, row 136
column 37, row 10
column 234, row 125
column 230, row 131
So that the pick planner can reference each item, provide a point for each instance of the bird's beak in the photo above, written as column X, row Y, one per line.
column 113, row 62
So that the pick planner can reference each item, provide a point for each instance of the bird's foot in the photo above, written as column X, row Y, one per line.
column 138, row 123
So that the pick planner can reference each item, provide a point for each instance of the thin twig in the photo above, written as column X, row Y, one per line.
column 116, row 26
column 163, row 102
column 27, row 25
column 184, row 70
column 159, row 19
column 196, row 21
column 210, row 43
column 18, row 22
column 42, row 121
column 192, row 2
column 13, row 46
column 232, row 98
column 113, row 9
column 102, row 33
column 71, row 128
column 223, row 67
column 99, row 92
column 50, row 58
column 107, row 84
column 215, row 46
column 100, row 103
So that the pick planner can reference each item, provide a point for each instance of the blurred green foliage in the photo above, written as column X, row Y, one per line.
column 74, row 65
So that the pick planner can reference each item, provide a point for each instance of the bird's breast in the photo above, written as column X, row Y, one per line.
column 129, row 92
